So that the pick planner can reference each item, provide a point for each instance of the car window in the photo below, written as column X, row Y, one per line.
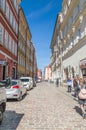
column 14, row 83
column 24, row 80
column 2, row 84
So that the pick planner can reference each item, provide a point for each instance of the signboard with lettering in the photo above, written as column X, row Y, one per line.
column 2, row 62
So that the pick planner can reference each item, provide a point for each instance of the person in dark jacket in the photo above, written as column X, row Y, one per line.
column 57, row 82
column 75, row 86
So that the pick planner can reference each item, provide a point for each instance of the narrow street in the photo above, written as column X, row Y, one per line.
column 45, row 107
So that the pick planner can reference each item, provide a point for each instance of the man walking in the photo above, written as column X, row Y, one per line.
column 69, row 84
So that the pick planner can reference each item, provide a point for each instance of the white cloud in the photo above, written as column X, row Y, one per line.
column 43, row 10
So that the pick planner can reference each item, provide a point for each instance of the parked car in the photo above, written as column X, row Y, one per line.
column 15, row 90
column 27, row 82
column 38, row 80
column 2, row 100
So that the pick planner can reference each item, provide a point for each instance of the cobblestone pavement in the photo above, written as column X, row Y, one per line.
column 45, row 107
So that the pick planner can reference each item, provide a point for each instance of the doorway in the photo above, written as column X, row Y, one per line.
column 4, row 72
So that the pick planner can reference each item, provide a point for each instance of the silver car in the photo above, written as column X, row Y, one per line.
column 27, row 82
column 15, row 90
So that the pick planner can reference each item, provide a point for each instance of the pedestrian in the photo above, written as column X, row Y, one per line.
column 75, row 86
column 84, row 78
column 69, row 84
column 82, row 101
column 57, row 82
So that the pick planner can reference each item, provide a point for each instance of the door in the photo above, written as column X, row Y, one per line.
column 4, row 72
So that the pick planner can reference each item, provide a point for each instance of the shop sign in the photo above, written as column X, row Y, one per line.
column 3, row 62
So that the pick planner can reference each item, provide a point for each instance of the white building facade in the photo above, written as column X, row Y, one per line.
column 70, row 40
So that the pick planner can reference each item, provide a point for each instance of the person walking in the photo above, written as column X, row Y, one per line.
column 75, row 86
column 69, row 84
column 82, row 101
column 57, row 82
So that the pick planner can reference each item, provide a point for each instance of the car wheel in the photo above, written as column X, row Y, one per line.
column 1, row 116
column 20, row 97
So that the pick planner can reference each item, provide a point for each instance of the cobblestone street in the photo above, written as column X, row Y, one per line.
column 45, row 107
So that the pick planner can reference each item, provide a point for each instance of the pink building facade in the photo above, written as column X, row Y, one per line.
column 47, row 73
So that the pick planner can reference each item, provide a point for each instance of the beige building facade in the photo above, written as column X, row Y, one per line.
column 68, row 43
column 22, row 41
column 26, row 50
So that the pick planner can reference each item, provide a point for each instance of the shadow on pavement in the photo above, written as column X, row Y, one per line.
column 11, row 120
column 78, row 110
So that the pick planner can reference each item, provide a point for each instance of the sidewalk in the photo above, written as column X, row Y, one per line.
column 63, row 88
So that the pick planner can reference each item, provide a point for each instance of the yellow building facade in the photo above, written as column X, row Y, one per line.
column 26, row 51
column 23, row 42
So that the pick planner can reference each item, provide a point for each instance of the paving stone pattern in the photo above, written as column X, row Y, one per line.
column 46, row 107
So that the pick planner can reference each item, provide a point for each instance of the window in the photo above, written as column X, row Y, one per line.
column 1, row 34
column 2, row 4
column 15, row 3
column 78, row 8
column 72, row 41
column 15, row 50
column 6, row 39
column 10, row 39
column 69, row 2
column 16, row 28
column 17, row 8
column 13, row 45
column 11, row 17
column 7, row 10
column 79, row 33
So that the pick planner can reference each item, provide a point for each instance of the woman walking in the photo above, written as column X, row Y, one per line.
column 82, row 101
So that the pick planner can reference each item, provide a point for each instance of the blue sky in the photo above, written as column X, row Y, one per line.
column 41, row 17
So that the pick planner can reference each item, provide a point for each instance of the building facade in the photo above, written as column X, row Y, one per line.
column 26, row 50
column 39, row 74
column 33, row 61
column 71, row 39
column 47, row 73
column 22, row 42
column 8, row 37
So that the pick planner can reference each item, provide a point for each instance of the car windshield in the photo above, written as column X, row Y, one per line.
column 24, row 80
